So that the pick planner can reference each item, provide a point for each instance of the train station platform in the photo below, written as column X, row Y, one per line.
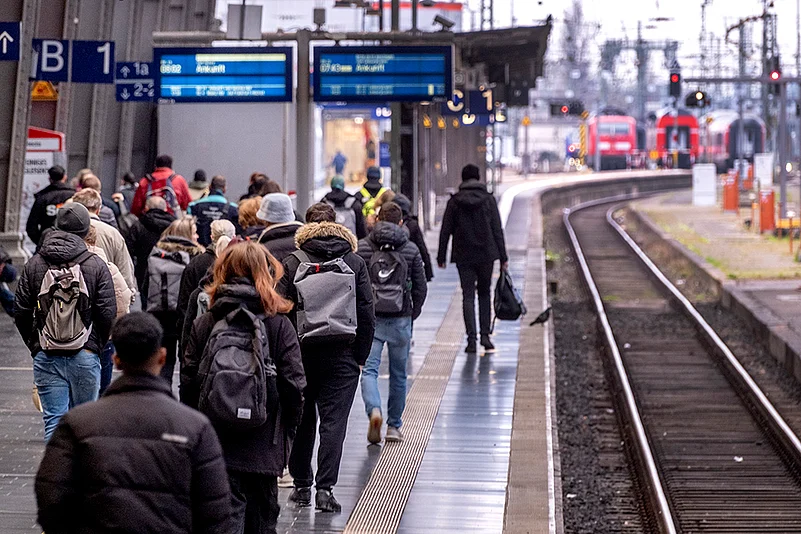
column 753, row 274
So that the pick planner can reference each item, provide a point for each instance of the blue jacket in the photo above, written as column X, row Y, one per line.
column 209, row 209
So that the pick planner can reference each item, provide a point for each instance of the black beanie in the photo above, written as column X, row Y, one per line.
column 470, row 172
column 73, row 218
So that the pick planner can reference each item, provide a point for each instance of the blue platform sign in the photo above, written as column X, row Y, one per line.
column 383, row 73
column 135, row 82
column 384, row 156
column 92, row 62
column 135, row 70
column 50, row 60
column 9, row 41
column 257, row 74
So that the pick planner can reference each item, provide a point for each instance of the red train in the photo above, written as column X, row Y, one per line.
column 720, row 144
column 617, row 139
column 674, row 137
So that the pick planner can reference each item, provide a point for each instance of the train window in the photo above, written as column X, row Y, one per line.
column 614, row 128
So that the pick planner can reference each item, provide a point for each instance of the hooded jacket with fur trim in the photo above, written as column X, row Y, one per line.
column 324, row 242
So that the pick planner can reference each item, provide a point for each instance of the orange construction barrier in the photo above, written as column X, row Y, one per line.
column 731, row 194
column 767, row 210
column 748, row 183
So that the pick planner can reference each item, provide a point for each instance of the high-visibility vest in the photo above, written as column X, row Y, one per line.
column 368, row 206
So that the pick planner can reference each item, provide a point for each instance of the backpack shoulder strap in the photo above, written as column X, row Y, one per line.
column 350, row 202
column 302, row 256
column 82, row 257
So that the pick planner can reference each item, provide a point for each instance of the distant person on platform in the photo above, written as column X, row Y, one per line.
column 128, row 187
column 347, row 207
column 371, row 190
column 199, row 187
column 211, row 208
column 46, row 203
column 109, row 211
column 472, row 219
column 338, row 162
column 165, row 183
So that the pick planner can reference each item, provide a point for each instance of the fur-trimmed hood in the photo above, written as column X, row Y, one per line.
column 325, row 232
column 180, row 244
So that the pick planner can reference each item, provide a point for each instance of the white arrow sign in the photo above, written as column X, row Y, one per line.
column 125, row 71
column 6, row 38
column 125, row 94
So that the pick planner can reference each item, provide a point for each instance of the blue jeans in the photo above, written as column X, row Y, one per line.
column 396, row 332
column 64, row 382
column 106, row 366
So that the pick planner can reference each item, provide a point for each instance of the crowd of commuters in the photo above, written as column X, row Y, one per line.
column 271, row 320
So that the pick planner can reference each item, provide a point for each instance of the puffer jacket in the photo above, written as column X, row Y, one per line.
column 472, row 218
column 391, row 235
column 338, row 197
column 197, row 269
column 173, row 244
column 122, row 292
column 59, row 248
column 324, row 242
column 265, row 449
column 134, row 461
column 280, row 239
column 113, row 244
column 45, row 205
column 144, row 235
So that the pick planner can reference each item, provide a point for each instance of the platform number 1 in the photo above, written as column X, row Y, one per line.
column 105, row 49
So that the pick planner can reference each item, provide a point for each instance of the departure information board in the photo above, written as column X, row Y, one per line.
column 382, row 73
column 261, row 74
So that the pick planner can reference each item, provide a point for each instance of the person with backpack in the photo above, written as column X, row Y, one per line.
column 371, row 191
column 399, row 286
column 472, row 219
column 280, row 225
column 165, row 183
column 199, row 187
column 145, row 233
column 165, row 267
column 136, row 460
column 64, row 308
column 212, row 207
column 255, row 413
column 46, row 203
column 415, row 233
column 348, row 208
column 333, row 315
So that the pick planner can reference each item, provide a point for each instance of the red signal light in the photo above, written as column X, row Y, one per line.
column 565, row 109
column 674, row 78
column 775, row 75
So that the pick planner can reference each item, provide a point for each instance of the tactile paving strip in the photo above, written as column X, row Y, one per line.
column 381, row 504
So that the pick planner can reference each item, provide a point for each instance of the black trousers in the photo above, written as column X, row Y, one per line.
column 476, row 277
column 331, row 386
column 254, row 502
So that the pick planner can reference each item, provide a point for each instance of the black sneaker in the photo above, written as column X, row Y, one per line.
column 471, row 346
column 487, row 343
column 301, row 496
column 325, row 502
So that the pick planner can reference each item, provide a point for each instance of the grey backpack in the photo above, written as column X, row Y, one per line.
column 238, row 388
column 164, row 271
column 62, row 297
column 326, row 307
column 345, row 214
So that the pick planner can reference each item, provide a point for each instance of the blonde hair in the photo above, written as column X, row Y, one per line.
column 222, row 232
column 247, row 212
column 91, row 238
column 184, row 227
column 89, row 198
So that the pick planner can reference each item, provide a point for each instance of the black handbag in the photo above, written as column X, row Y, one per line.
column 508, row 303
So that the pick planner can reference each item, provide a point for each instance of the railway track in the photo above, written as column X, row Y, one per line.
column 712, row 452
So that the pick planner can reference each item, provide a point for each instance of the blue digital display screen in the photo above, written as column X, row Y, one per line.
column 383, row 73
column 261, row 74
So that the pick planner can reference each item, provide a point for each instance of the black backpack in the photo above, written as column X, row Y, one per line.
column 389, row 276
column 508, row 303
column 238, row 388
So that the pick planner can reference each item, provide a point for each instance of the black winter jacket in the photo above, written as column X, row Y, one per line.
column 280, row 239
column 144, row 235
column 265, row 449
column 252, row 233
column 135, row 461
column 338, row 197
column 416, row 236
column 324, row 242
column 59, row 248
column 397, row 238
column 197, row 269
column 472, row 218
column 45, row 205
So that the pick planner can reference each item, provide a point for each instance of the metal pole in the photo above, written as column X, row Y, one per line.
column 598, row 143
column 395, row 136
column 304, row 178
column 395, row 15
column 414, row 15
column 415, row 157
column 526, row 152
column 740, row 103
column 242, row 21
column 380, row 15
column 798, row 39
column 783, row 148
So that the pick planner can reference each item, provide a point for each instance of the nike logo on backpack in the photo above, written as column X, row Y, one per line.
column 384, row 274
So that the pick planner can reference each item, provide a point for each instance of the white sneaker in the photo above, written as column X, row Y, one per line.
column 286, row 480
column 394, row 435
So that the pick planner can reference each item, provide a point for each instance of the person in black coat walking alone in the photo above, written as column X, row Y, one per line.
column 168, row 477
column 472, row 219
column 332, row 368
column 255, row 457
column 46, row 203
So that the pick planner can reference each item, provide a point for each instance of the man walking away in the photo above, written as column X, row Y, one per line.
column 127, row 190
column 109, row 211
column 46, row 204
column 144, row 235
column 371, row 190
column 199, row 187
column 280, row 225
column 168, row 477
column 64, row 308
column 212, row 208
column 399, row 291
column 330, row 285
column 165, row 183
column 472, row 219
column 348, row 208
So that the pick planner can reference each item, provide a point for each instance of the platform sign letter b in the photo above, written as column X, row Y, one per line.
column 50, row 60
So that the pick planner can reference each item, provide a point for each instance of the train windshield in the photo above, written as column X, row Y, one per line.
column 614, row 128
